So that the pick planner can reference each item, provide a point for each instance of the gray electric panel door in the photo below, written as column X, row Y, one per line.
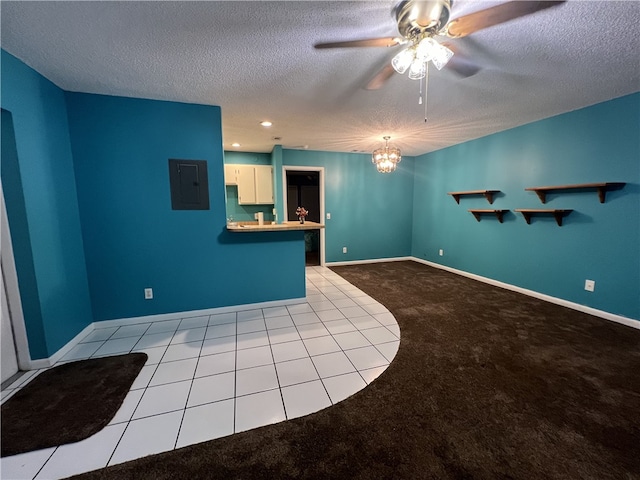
column 189, row 184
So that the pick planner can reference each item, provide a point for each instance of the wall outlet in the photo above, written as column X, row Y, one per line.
column 344, row 249
column 589, row 285
column 148, row 293
column 328, row 216
column 441, row 252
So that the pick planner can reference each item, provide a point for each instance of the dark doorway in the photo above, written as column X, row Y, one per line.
column 303, row 190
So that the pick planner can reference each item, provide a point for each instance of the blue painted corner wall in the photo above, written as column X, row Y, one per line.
column 597, row 241
column 134, row 240
column 86, row 184
column 42, row 206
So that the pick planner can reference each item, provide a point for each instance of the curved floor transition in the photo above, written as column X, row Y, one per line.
column 212, row 376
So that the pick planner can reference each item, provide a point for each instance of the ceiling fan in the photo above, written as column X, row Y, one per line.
column 419, row 21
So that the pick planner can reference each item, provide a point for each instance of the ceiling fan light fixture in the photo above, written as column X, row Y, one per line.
column 403, row 60
column 418, row 69
column 441, row 55
column 425, row 49
column 386, row 158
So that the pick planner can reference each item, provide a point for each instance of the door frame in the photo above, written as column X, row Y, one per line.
column 13, row 291
column 320, row 171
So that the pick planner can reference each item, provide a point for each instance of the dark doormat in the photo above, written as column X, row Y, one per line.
column 68, row 403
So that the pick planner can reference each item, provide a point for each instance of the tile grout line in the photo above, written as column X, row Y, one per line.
column 345, row 354
column 45, row 462
column 193, row 376
column 128, row 423
column 284, row 407
column 310, row 358
column 235, row 377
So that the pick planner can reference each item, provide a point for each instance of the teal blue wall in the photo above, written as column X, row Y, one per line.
column 597, row 241
column 132, row 237
column 40, row 190
column 245, row 213
column 371, row 213
column 247, row 158
column 276, row 161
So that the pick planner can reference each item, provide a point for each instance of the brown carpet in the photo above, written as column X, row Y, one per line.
column 487, row 384
column 67, row 403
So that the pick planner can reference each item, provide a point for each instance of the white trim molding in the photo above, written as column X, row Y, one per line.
column 195, row 313
column 53, row 359
column 13, row 290
column 629, row 322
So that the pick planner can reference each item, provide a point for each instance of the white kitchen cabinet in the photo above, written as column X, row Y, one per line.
column 255, row 183
column 264, row 184
column 246, row 185
column 231, row 174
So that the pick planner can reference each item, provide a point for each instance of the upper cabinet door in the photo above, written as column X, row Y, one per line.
column 255, row 183
column 264, row 184
column 246, row 184
column 231, row 174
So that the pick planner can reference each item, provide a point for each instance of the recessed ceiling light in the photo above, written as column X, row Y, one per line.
column 266, row 123
column 236, row 144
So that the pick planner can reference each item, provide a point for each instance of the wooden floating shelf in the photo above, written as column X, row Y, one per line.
column 601, row 188
column 488, row 194
column 527, row 213
column 498, row 213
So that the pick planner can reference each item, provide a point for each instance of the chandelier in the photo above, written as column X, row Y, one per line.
column 386, row 158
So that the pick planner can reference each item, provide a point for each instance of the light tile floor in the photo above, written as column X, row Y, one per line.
column 211, row 376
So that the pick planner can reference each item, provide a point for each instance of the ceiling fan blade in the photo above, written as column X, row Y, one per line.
column 381, row 77
column 468, row 24
column 462, row 67
column 368, row 42
column 460, row 63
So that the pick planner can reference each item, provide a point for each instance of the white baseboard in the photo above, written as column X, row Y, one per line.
column 375, row 260
column 195, row 313
column 47, row 362
column 629, row 322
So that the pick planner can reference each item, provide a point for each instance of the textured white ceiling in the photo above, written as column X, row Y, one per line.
column 256, row 60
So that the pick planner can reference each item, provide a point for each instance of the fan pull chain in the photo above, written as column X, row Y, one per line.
column 420, row 96
column 426, row 87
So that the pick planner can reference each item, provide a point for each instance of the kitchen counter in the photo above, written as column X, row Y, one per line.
column 269, row 227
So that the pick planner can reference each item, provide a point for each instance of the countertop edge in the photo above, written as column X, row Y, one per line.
column 279, row 227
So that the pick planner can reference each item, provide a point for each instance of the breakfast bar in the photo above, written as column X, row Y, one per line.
column 272, row 227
